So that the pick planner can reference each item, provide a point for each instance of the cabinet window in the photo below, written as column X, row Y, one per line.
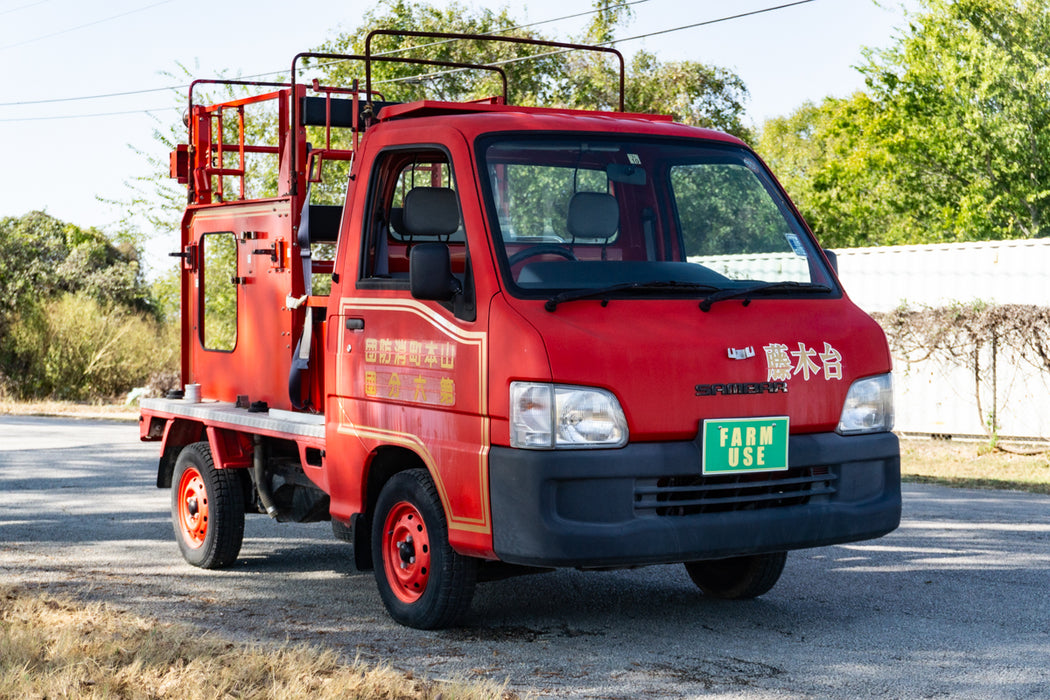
column 218, row 290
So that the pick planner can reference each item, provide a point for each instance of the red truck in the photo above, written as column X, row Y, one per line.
column 539, row 338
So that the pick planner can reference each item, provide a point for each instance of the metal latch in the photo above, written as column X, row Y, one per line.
column 271, row 251
column 188, row 257
column 274, row 252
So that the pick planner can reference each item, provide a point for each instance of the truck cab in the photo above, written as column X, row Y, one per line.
column 552, row 338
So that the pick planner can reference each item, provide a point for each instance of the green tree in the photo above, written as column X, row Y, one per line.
column 530, row 82
column 832, row 160
column 41, row 256
column 592, row 80
column 967, row 92
column 68, row 292
column 693, row 93
column 950, row 142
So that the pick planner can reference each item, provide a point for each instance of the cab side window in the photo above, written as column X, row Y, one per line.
column 413, row 199
column 423, row 181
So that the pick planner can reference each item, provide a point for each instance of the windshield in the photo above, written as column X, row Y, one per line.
column 579, row 213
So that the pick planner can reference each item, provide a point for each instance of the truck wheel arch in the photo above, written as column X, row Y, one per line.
column 177, row 434
column 384, row 463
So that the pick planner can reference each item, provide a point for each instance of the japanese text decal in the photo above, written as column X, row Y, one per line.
column 783, row 363
column 410, row 370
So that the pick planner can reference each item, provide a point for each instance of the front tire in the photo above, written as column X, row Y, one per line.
column 207, row 509
column 423, row 582
column 737, row 578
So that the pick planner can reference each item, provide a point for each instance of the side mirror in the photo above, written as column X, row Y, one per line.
column 430, row 273
column 833, row 258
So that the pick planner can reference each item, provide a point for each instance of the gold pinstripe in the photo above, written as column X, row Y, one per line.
column 413, row 442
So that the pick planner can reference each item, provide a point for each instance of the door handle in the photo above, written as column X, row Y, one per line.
column 355, row 324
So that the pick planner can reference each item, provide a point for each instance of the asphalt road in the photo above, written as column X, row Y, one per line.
column 955, row 603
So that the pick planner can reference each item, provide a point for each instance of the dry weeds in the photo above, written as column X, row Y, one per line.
column 53, row 648
column 68, row 409
column 973, row 465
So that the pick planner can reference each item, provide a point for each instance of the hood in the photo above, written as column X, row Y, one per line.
column 672, row 365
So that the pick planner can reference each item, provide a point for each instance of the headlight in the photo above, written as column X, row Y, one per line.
column 553, row 416
column 868, row 407
column 531, row 412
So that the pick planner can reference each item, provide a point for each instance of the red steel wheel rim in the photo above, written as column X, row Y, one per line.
column 193, row 507
column 406, row 552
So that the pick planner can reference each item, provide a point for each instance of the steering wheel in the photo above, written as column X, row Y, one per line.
column 542, row 249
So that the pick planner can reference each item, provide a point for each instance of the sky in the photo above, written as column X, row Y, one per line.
column 66, row 155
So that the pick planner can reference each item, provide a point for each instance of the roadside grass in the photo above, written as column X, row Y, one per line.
column 68, row 409
column 973, row 465
column 58, row 648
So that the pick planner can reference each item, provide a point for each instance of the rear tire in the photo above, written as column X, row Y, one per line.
column 207, row 509
column 737, row 578
column 423, row 582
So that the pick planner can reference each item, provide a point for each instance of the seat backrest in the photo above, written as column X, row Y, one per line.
column 593, row 215
column 431, row 211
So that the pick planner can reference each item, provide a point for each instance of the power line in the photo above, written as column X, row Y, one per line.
column 520, row 59
column 23, row 7
column 86, row 116
column 92, row 97
column 713, row 21
column 508, row 61
column 271, row 73
column 81, row 26
column 510, row 29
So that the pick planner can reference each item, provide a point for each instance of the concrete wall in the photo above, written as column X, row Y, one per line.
column 1003, row 272
column 932, row 397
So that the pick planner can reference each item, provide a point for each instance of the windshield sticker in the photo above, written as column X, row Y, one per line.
column 783, row 364
column 796, row 244
column 633, row 159
column 751, row 165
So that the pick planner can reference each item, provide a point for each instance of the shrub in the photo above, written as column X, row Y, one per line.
column 72, row 347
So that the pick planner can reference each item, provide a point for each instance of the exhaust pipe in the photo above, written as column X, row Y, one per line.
column 262, row 485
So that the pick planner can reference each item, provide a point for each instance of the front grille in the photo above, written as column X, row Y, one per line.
column 692, row 495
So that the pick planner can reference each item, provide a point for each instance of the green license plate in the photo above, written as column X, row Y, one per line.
column 744, row 445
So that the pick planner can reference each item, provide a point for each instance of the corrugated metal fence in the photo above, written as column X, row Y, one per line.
column 934, row 397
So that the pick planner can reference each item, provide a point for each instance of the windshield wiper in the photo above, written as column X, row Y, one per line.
column 746, row 292
column 574, row 294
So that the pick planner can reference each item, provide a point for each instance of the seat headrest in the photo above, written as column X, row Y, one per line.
column 431, row 211
column 593, row 215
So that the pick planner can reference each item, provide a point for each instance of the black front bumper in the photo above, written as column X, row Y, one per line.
column 647, row 503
